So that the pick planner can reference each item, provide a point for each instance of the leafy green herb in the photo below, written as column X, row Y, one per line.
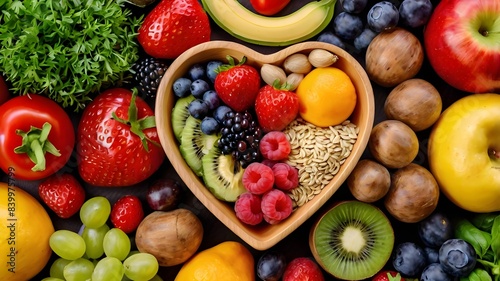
column 480, row 240
column 478, row 274
column 66, row 49
column 484, row 221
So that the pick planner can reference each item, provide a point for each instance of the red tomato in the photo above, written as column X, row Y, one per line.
column 268, row 7
column 21, row 113
column 4, row 91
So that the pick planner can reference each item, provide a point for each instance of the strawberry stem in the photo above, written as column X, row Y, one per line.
column 35, row 144
column 230, row 64
column 137, row 126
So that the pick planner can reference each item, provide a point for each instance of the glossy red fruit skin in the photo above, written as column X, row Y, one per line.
column 164, row 195
column 63, row 194
column 238, row 86
column 276, row 108
column 303, row 269
column 172, row 27
column 109, row 154
column 268, row 7
column 460, row 59
column 127, row 213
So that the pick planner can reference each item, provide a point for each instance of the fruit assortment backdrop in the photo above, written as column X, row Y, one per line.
column 201, row 229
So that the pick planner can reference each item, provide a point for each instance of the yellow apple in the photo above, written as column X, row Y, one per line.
column 464, row 152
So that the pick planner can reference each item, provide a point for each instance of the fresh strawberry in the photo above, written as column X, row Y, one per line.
column 127, row 213
column 276, row 107
column 63, row 194
column 118, row 144
column 172, row 27
column 237, row 84
column 388, row 275
column 301, row 269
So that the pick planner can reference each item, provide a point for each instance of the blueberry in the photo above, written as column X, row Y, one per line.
column 199, row 87
column 415, row 13
column 212, row 99
column 211, row 67
column 220, row 112
column 181, row 87
column 209, row 125
column 382, row 16
column 409, row 259
column 196, row 71
column 432, row 254
column 457, row 257
column 435, row 229
column 347, row 26
column 198, row 108
column 364, row 39
column 435, row 272
column 271, row 266
column 330, row 37
column 353, row 6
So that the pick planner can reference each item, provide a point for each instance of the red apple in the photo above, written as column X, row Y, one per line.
column 462, row 42
column 4, row 91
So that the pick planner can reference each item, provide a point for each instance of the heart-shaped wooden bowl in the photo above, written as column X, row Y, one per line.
column 264, row 236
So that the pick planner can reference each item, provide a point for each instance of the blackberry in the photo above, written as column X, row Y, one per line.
column 148, row 74
column 240, row 136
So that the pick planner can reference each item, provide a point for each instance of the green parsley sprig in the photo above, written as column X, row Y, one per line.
column 66, row 49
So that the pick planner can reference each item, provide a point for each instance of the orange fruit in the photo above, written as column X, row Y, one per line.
column 25, row 234
column 227, row 261
column 327, row 96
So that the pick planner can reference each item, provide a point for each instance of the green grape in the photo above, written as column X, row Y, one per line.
column 52, row 279
column 93, row 238
column 141, row 266
column 108, row 269
column 116, row 244
column 95, row 211
column 78, row 270
column 57, row 268
column 67, row 244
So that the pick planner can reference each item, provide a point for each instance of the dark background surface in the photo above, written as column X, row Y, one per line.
column 296, row 244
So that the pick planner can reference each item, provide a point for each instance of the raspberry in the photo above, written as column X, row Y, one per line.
column 286, row 177
column 258, row 178
column 247, row 208
column 275, row 146
column 269, row 163
column 276, row 206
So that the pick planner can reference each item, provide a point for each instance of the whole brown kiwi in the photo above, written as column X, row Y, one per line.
column 414, row 194
column 369, row 181
column 393, row 56
column 393, row 144
column 415, row 102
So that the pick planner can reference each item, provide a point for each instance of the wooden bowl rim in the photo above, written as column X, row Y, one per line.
column 299, row 216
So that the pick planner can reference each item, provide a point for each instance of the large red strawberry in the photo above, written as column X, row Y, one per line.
column 117, row 140
column 172, row 27
column 63, row 194
column 237, row 84
column 127, row 213
column 276, row 108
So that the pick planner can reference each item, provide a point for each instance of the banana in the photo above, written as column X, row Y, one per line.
column 250, row 27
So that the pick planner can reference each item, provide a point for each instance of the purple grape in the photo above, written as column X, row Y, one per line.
column 164, row 194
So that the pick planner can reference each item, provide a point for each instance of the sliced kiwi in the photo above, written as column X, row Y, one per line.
column 352, row 241
column 222, row 175
column 179, row 115
column 195, row 144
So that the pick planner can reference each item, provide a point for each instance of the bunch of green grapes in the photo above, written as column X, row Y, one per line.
column 98, row 252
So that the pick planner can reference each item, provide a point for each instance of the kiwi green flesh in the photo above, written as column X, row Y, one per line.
column 195, row 144
column 222, row 175
column 353, row 241
column 180, row 114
